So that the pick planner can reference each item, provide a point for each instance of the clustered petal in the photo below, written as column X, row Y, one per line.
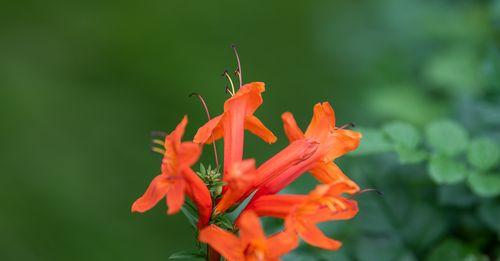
column 311, row 151
column 252, row 243
column 178, row 179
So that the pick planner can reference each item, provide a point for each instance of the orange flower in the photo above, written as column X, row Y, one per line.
column 303, row 212
column 237, row 116
column 242, row 179
column 252, row 244
column 177, row 179
column 333, row 143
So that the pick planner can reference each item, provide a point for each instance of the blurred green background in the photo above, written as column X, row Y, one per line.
column 82, row 84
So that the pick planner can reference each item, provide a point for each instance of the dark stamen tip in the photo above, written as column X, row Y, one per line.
column 380, row 193
column 348, row 125
column 158, row 134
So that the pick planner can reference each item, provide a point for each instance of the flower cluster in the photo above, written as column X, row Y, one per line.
column 311, row 151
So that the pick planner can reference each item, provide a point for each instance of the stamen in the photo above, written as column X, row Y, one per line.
column 229, row 91
column 158, row 134
column 237, row 73
column 159, row 142
column 230, row 81
column 158, row 150
column 330, row 205
column 205, row 107
column 348, row 126
column 339, row 202
column 367, row 190
column 238, row 70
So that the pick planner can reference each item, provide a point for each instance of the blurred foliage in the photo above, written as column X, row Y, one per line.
column 434, row 144
column 82, row 84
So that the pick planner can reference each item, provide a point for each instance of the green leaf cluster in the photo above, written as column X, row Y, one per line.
column 212, row 178
column 450, row 154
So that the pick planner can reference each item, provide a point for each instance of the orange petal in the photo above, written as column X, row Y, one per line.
column 249, row 95
column 344, row 141
column 175, row 196
column 255, row 126
column 178, row 132
column 328, row 173
column 169, row 163
column 295, row 153
column 211, row 131
column 278, row 206
column 322, row 122
column 178, row 154
column 326, row 202
column 292, row 130
column 342, row 186
column 314, row 236
column 199, row 193
column 234, row 131
column 239, row 179
column 250, row 227
column 281, row 178
column 188, row 154
column 325, row 214
column 227, row 244
column 154, row 193
column 236, row 109
column 282, row 243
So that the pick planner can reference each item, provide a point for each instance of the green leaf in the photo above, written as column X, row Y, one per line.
column 191, row 213
column 203, row 169
column 444, row 170
column 456, row 195
column 410, row 156
column 452, row 249
column 389, row 247
column 492, row 60
column 403, row 134
column 188, row 255
column 446, row 137
column 456, row 69
column 483, row 153
column 489, row 212
column 224, row 222
column 429, row 225
column 485, row 185
column 384, row 98
column 373, row 142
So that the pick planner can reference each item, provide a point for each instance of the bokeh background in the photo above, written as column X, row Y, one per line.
column 82, row 84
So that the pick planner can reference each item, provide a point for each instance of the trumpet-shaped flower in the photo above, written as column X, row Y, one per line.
column 247, row 182
column 302, row 213
column 332, row 143
column 252, row 243
column 177, row 179
column 231, row 124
